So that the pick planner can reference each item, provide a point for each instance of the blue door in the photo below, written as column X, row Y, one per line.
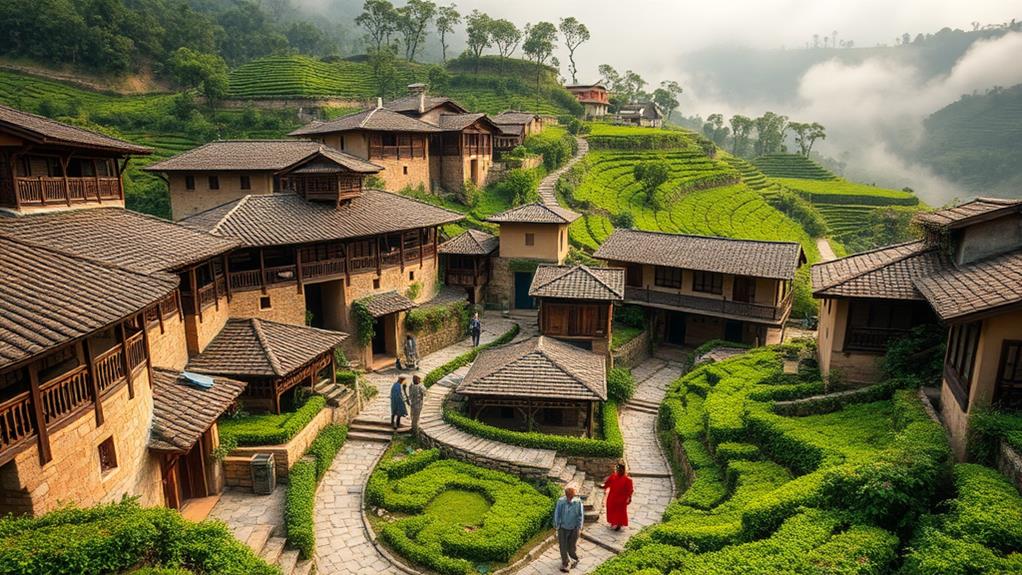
column 523, row 280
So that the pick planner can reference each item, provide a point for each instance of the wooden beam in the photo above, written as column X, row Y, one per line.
column 195, row 293
column 95, row 178
column 159, row 315
column 401, row 249
column 63, row 172
column 42, row 434
column 124, row 360
column 148, row 350
column 422, row 239
column 227, row 277
column 262, row 271
column 216, row 288
column 379, row 267
column 347, row 264
column 298, row 267
column 90, row 365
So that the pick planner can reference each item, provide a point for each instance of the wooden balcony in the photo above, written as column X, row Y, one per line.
column 710, row 305
column 66, row 396
column 466, row 278
column 46, row 190
column 871, row 339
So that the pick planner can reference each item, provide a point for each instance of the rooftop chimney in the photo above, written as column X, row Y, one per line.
column 422, row 102
column 379, row 103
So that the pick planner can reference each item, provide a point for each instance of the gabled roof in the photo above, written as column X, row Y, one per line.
column 411, row 104
column 775, row 260
column 578, row 282
column 471, row 243
column 376, row 119
column 978, row 210
column 258, row 155
column 571, row 87
column 43, row 130
column 385, row 303
column 49, row 298
column 957, row 293
column 458, row 122
column 535, row 213
column 644, row 109
column 889, row 272
column 260, row 348
column 515, row 118
column 283, row 219
column 182, row 412
column 119, row 237
column 540, row 367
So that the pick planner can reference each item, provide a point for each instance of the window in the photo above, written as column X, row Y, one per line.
column 340, row 141
column 107, row 455
column 633, row 275
column 189, row 182
column 376, row 283
column 708, row 282
column 404, row 170
column 411, row 276
column 530, row 239
column 667, row 277
column 264, row 302
column 961, row 359
column 562, row 239
column 1008, row 392
column 246, row 183
column 214, row 182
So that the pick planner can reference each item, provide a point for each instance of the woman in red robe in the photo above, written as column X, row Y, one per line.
column 619, row 496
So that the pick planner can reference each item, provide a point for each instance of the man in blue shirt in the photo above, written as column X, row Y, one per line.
column 568, row 518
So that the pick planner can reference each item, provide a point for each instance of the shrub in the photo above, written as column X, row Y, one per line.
column 623, row 220
column 363, row 321
column 630, row 315
column 433, row 317
column 620, row 384
column 987, row 428
column 518, row 186
column 325, row 447
column 269, row 429
column 800, row 210
column 918, row 354
column 347, row 378
column 304, row 475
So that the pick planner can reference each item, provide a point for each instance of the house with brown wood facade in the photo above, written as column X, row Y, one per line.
column 594, row 99
column 576, row 303
column 514, row 128
column 645, row 114
column 699, row 288
column 466, row 262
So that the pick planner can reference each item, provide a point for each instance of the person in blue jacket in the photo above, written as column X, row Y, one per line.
column 568, row 518
column 397, row 402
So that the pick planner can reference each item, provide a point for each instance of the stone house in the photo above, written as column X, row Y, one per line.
column 594, row 99
column 514, row 128
column 576, row 303
column 646, row 114
column 699, row 288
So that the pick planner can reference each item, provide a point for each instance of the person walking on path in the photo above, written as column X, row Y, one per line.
column 568, row 518
column 416, row 395
column 397, row 402
column 411, row 352
column 619, row 497
column 476, row 328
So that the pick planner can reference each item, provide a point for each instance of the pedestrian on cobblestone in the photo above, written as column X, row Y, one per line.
column 619, row 497
column 476, row 328
column 416, row 395
column 568, row 518
column 411, row 352
column 397, row 402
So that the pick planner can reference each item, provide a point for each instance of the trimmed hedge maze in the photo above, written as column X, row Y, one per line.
column 792, row 166
column 452, row 517
column 847, row 491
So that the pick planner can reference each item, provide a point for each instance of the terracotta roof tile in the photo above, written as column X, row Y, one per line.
column 120, row 237
column 384, row 303
column 253, row 347
column 282, row 219
column 539, row 367
column 376, row 119
column 47, row 131
column 970, row 212
column 257, row 155
column 411, row 103
column 513, row 117
column 457, row 122
column 49, row 298
column 535, row 214
column 888, row 272
column 777, row 260
column 182, row 412
column 471, row 243
column 977, row 287
column 578, row 282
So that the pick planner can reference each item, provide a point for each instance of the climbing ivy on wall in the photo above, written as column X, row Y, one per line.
column 363, row 322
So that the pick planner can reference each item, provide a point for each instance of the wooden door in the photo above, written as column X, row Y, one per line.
column 744, row 289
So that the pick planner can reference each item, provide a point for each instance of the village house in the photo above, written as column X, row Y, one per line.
column 699, row 288
column 466, row 262
column 594, row 99
column 529, row 235
column 576, row 303
column 645, row 114
column 224, row 171
column 514, row 128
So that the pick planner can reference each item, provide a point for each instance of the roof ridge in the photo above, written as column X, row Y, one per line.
column 243, row 200
column 257, row 327
column 596, row 277
column 566, row 270
column 675, row 235
column 887, row 264
column 541, row 349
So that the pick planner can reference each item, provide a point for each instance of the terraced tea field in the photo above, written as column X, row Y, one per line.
column 792, row 166
column 751, row 175
column 301, row 76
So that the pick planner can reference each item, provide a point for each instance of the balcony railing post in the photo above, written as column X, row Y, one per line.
column 43, row 436
column 124, row 358
column 90, row 366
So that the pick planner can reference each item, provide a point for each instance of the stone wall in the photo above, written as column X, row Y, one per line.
column 533, row 473
column 199, row 333
column 500, row 288
column 168, row 349
column 634, row 352
column 596, row 468
column 1009, row 463
column 449, row 333
column 237, row 464
column 287, row 304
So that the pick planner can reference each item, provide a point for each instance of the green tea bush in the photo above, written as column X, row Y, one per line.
column 269, row 429
column 304, row 475
column 620, row 384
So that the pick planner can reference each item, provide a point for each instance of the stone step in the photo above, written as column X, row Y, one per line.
column 558, row 467
column 642, row 408
column 366, row 423
column 273, row 549
column 304, row 567
column 377, row 436
column 258, row 537
column 600, row 542
column 568, row 474
column 642, row 403
column 287, row 561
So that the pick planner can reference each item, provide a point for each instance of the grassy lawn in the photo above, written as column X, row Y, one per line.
column 269, row 428
column 623, row 334
column 466, row 508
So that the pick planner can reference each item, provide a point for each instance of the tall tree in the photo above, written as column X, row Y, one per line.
column 207, row 73
column 380, row 19
column 806, row 135
column 383, row 65
column 666, row 96
column 633, row 86
column 506, row 36
column 447, row 17
column 609, row 77
column 715, row 129
column 478, row 26
column 413, row 19
column 539, row 46
column 575, row 34
column 651, row 174
column 741, row 129
column 770, row 129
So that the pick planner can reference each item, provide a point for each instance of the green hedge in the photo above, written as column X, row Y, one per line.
column 467, row 358
column 304, row 475
column 433, row 317
column 611, row 446
column 118, row 537
column 620, row 384
column 269, row 429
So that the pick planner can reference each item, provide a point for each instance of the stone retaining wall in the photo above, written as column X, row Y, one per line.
column 633, row 352
column 677, row 454
column 1009, row 463
column 448, row 334
column 237, row 464
column 534, row 473
column 596, row 468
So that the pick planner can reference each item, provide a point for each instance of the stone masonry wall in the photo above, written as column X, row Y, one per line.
column 499, row 290
column 634, row 352
column 287, row 304
column 200, row 333
column 449, row 333
column 237, row 464
column 534, row 473
column 168, row 349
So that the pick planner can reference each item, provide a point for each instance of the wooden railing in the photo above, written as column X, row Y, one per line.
column 465, row 278
column 870, row 338
column 707, row 304
column 245, row 280
column 323, row 268
column 135, row 350
column 363, row 263
column 109, row 368
column 280, row 275
column 65, row 395
column 16, row 421
column 43, row 190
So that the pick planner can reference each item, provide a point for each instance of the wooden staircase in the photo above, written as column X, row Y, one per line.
column 273, row 549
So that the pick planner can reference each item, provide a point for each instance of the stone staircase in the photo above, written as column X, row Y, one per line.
column 547, row 187
column 272, row 548
column 566, row 474
column 642, row 405
column 368, row 429
column 331, row 391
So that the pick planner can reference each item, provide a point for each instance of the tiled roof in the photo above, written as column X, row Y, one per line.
column 512, row 117
column 644, row 109
column 120, row 237
column 457, row 122
column 535, row 214
column 411, row 103
column 282, row 219
column 974, row 288
column 970, row 212
column 257, row 155
column 48, row 298
column 254, row 347
column 384, row 303
column 376, row 119
column 540, row 367
column 46, row 131
column 182, row 412
column 888, row 272
column 570, row 87
column 776, row 260
column 578, row 282
column 471, row 243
